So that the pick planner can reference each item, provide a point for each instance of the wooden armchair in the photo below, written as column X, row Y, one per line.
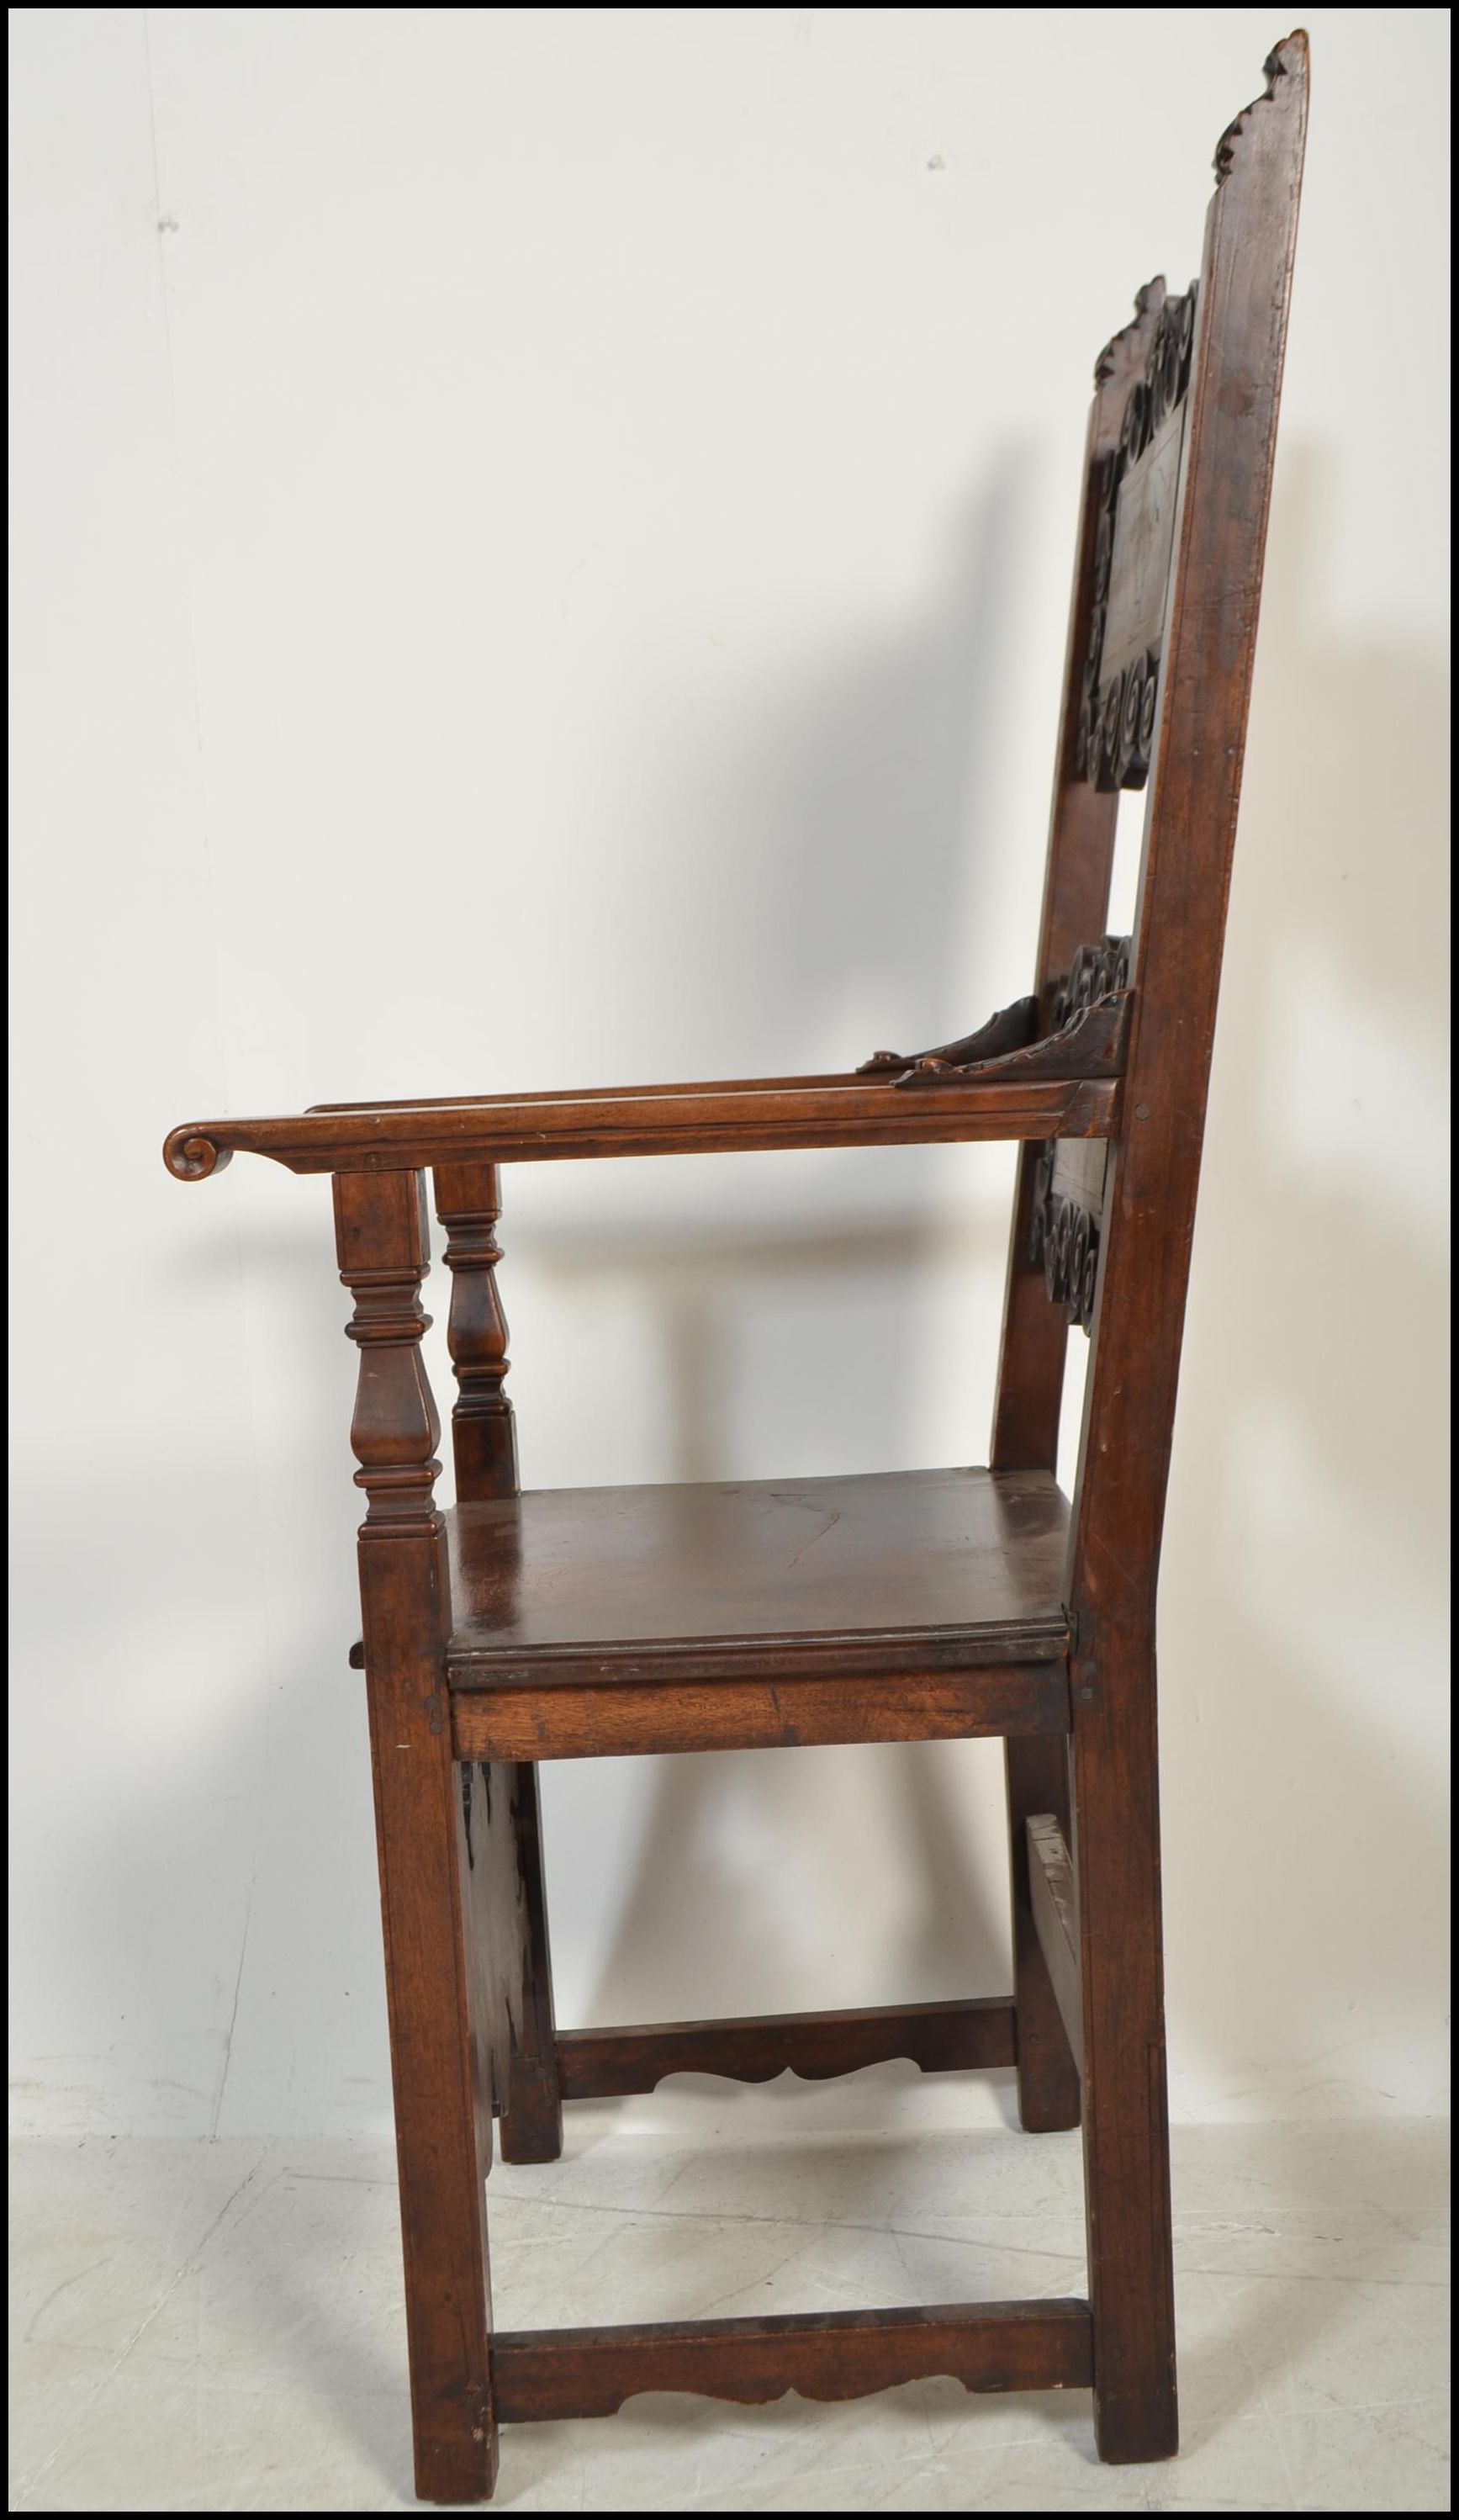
column 934, row 1604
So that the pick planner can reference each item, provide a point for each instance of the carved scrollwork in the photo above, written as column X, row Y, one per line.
column 1275, row 66
column 1011, row 1028
column 1086, row 1038
column 1090, row 1044
column 193, row 1156
column 1136, row 496
column 1096, row 971
column 1148, row 300
column 1066, row 1239
column 1069, row 1178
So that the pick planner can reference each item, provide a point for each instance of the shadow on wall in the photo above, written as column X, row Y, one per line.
column 1301, row 1595
column 868, row 813
column 866, row 805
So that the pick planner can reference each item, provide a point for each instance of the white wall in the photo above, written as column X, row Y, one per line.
column 542, row 543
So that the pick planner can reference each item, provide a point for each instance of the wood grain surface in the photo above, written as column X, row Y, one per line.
column 1016, row 2345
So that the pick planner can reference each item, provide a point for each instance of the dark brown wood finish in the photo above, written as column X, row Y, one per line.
column 631, row 1719
column 484, row 1435
column 1037, row 1778
column 438, row 2052
column 1011, row 1028
column 483, row 1427
column 1031, row 1368
column 923, row 1605
column 702, row 1121
column 956, row 2038
column 557, row 2371
column 1076, row 903
column 1068, row 1215
column 1090, row 1044
column 763, row 1614
column 1147, row 1233
column 1139, row 500
column 1055, row 1910
column 913, row 1570
column 513, row 2006
column 1190, row 827
column 532, row 2122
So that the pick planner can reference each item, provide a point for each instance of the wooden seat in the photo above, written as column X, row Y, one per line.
column 916, row 1605
column 600, row 1621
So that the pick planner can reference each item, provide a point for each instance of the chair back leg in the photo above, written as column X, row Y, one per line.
column 1126, row 2132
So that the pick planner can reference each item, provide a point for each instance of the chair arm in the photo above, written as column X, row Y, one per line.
column 656, row 1120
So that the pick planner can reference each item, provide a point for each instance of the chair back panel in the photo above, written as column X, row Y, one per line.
column 1136, row 497
column 1157, row 682
column 1083, row 825
column 1198, row 740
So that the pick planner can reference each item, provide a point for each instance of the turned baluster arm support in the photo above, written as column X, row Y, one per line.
column 382, row 1238
column 483, row 1426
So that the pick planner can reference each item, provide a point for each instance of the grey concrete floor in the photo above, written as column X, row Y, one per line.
column 218, row 2327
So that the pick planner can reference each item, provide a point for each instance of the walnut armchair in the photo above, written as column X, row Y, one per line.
column 589, row 1623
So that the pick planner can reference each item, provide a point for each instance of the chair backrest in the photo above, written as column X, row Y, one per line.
column 1162, row 631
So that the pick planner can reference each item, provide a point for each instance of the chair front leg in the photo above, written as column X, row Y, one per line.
column 442, row 2106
